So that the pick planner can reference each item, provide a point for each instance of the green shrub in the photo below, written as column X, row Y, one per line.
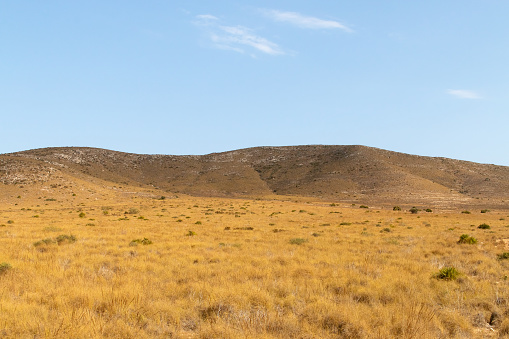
column 484, row 226
column 363, row 206
column 82, row 215
column 448, row 273
column 396, row 208
column 4, row 267
column 485, row 211
column 190, row 233
column 466, row 239
column 10, row 221
column 429, row 210
column 465, row 212
column 414, row 210
column 503, row 256
column 298, row 241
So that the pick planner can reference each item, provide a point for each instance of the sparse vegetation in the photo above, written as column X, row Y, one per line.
column 413, row 210
column 298, row 241
column 4, row 267
column 144, row 241
column 448, row 273
column 503, row 256
column 272, row 273
column 466, row 239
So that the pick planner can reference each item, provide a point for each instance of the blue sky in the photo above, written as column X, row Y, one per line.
column 195, row 77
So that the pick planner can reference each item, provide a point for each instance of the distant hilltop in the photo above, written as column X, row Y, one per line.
column 331, row 173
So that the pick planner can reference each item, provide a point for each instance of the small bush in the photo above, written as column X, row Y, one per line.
column 414, row 210
column 4, row 267
column 198, row 223
column 82, row 215
column 132, row 210
column 448, row 273
column 485, row 211
column 191, row 233
column 396, row 208
column 63, row 238
column 143, row 241
column 387, row 230
column 465, row 212
column 298, row 241
column 484, row 226
column 466, row 239
column 428, row 210
column 46, row 241
column 503, row 256
column 10, row 221
column 363, row 206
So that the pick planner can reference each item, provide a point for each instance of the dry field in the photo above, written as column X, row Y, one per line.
column 231, row 268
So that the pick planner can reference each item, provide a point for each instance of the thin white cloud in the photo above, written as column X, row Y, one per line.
column 206, row 17
column 236, row 38
column 464, row 94
column 306, row 21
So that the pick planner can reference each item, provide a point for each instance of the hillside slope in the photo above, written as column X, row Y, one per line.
column 350, row 173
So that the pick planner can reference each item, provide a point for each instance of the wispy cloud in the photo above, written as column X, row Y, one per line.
column 464, row 94
column 235, row 38
column 305, row 21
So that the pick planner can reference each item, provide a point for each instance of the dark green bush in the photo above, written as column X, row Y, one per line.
column 503, row 256
column 396, row 208
column 484, row 226
column 414, row 210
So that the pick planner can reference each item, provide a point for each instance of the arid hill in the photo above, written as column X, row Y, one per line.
column 333, row 173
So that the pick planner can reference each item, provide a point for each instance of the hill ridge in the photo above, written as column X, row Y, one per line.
column 328, row 172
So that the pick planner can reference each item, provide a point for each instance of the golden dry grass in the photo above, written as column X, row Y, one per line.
column 224, row 268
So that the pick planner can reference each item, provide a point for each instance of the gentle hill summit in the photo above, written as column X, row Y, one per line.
column 342, row 173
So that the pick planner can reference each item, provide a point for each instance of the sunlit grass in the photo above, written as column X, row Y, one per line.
column 221, row 268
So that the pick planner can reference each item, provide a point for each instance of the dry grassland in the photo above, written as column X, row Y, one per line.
column 220, row 268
